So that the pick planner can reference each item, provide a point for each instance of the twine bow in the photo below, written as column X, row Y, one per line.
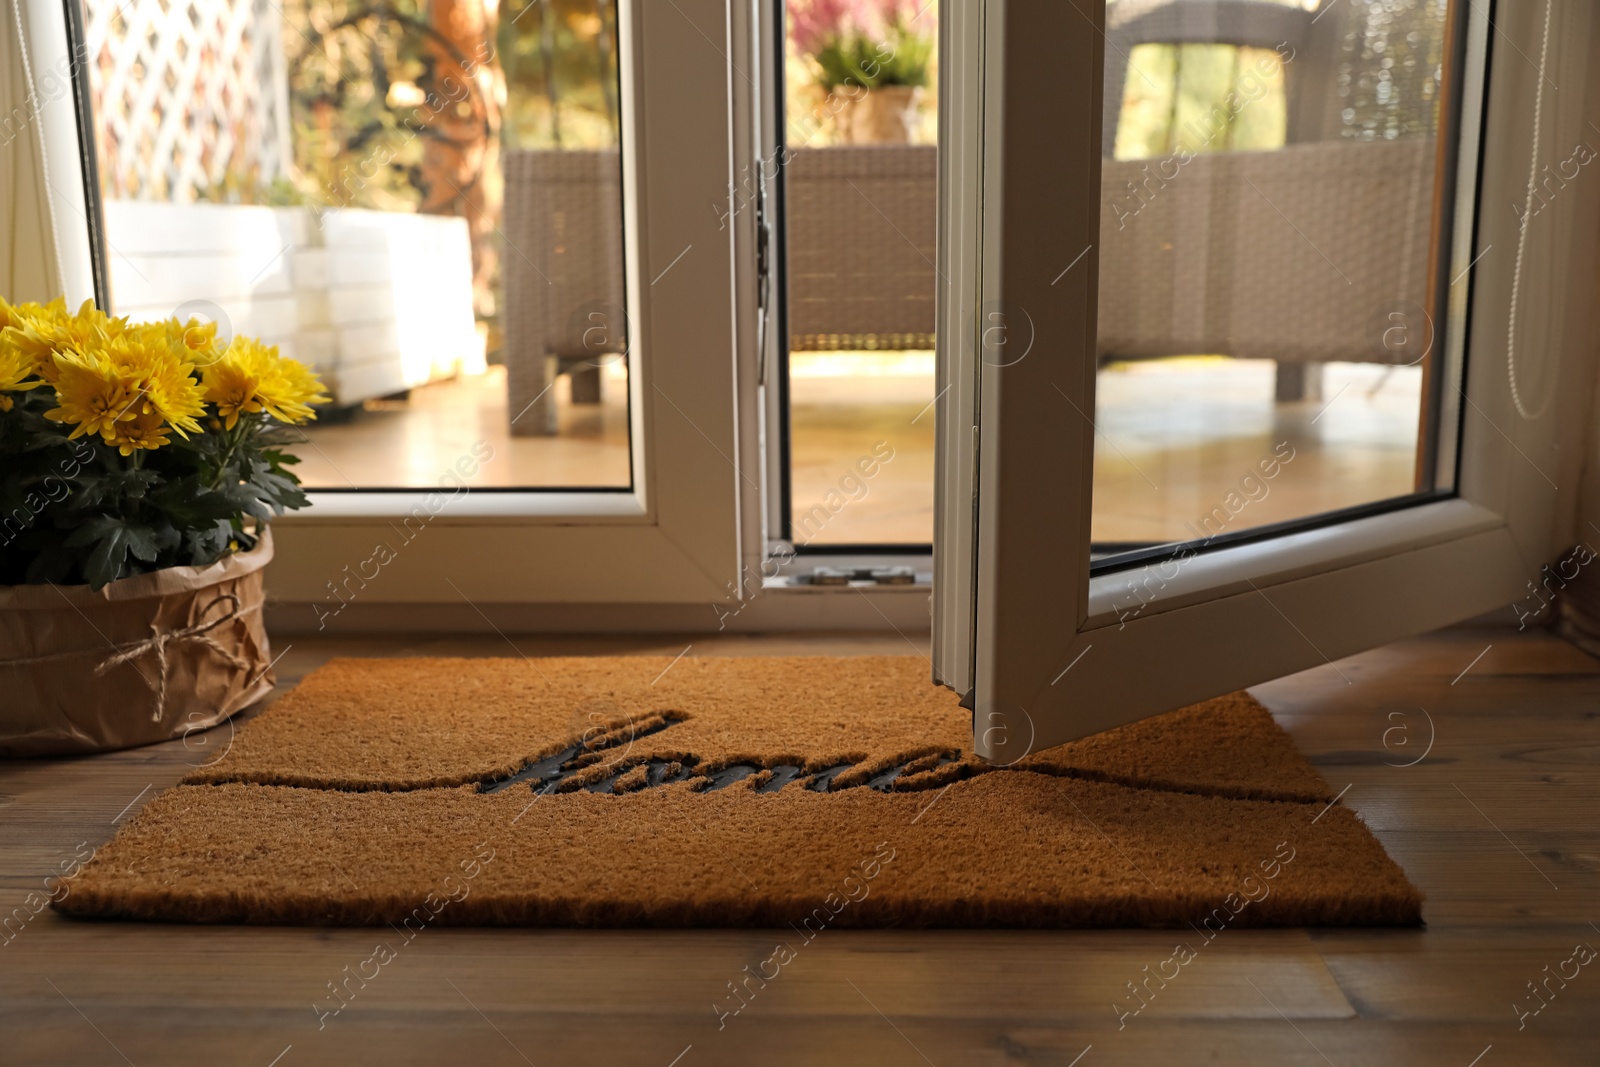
column 158, row 641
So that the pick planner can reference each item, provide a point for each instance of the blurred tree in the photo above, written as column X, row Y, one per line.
column 460, row 173
column 1389, row 68
column 561, row 73
column 406, row 105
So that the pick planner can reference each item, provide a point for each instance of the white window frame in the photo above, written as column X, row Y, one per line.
column 1035, row 644
column 689, row 527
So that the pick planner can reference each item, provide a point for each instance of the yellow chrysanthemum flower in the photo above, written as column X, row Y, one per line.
column 161, row 382
column 147, row 431
column 19, row 314
column 233, row 381
column 15, row 368
column 91, row 394
column 251, row 377
column 293, row 392
column 194, row 342
column 23, row 327
column 43, row 333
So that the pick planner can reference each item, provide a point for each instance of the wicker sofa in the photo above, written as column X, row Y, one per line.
column 1300, row 255
column 1289, row 255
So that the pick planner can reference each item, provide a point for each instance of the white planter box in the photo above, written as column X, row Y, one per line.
column 376, row 302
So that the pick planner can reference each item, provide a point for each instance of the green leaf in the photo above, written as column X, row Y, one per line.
column 114, row 540
column 207, row 544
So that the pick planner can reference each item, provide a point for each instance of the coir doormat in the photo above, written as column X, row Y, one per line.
column 803, row 792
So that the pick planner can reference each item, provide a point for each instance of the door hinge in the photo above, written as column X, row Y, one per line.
column 763, row 276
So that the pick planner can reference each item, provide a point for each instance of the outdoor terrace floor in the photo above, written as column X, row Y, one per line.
column 1173, row 437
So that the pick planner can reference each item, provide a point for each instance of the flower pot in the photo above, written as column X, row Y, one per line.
column 144, row 659
column 886, row 115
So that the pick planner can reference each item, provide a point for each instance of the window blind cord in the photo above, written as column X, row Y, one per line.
column 1522, row 234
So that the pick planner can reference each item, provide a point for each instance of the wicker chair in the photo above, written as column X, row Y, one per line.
column 562, row 268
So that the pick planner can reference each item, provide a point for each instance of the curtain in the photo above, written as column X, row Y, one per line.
column 30, row 262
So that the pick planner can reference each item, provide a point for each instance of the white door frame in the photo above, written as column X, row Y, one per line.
column 677, row 536
column 1042, row 650
column 683, row 533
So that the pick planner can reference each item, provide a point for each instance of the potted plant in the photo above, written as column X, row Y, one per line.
column 139, row 467
column 871, row 58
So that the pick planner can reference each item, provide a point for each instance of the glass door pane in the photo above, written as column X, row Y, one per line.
column 1275, row 221
column 858, row 229
column 422, row 201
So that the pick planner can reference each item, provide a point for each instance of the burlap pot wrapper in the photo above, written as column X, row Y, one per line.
column 146, row 658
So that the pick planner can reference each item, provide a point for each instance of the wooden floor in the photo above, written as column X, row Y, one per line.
column 1496, row 821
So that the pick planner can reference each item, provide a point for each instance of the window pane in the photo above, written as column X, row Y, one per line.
column 421, row 200
column 1269, row 262
column 859, row 200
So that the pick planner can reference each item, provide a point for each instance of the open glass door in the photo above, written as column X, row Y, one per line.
column 1251, row 356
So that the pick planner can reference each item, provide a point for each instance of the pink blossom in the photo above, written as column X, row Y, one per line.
column 815, row 23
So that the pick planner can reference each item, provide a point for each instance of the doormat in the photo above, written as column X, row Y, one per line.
column 800, row 792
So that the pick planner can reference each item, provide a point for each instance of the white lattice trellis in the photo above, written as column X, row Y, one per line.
column 189, row 95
